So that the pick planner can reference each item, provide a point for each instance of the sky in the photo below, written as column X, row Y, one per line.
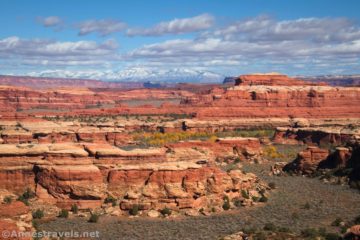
column 131, row 40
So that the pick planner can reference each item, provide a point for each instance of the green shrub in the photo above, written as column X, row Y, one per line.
column 38, row 214
column 295, row 215
column 63, row 213
column 357, row 220
column 8, row 199
column 166, row 211
column 110, row 199
column 226, row 205
column 332, row 236
column 237, row 203
column 245, row 194
column 309, row 233
column 25, row 201
column 263, row 199
column 307, row 206
column 336, row 222
column 272, row 185
column 28, row 194
column 249, row 230
column 94, row 218
column 134, row 210
column 343, row 229
column 74, row 208
column 283, row 229
column 270, row 227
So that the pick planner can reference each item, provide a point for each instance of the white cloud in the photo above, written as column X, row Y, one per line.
column 263, row 40
column 312, row 45
column 103, row 27
column 176, row 26
column 51, row 21
column 47, row 52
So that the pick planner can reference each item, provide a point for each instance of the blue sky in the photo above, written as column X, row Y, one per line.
column 119, row 40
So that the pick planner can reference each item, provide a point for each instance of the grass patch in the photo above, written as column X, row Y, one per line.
column 160, row 139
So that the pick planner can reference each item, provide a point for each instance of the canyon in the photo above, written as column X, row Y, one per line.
column 179, row 150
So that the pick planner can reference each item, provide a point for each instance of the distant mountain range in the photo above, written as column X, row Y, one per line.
column 138, row 75
column 139, row 78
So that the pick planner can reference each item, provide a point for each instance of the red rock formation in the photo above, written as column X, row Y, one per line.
column 66, row 174
column 274, row 79
column 337, row 135
column 308, row 160
column 314, row 158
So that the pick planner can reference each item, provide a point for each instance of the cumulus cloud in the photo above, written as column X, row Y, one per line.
column 51, row 21
column 265, row 28
column 176, row 26
column 103, row 27
column 263, row 39
column 49, row 52
column 262, row 43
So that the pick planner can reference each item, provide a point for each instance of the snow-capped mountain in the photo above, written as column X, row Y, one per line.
column 138, row 75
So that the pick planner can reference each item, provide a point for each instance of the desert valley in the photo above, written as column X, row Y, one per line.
column 263, row 156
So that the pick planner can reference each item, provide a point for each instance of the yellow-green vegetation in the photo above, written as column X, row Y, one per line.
column 272, row 152
column 160, row 139
column 282, row 152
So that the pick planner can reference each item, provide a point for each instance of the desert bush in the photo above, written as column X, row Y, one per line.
column 272, row 185
column 284, row 230
column 110, row 199
column 237, row 203
column 336, row 222
column 307, row 206
column 38, row 214
column 8, row 199
column 94, row 218
column 74, row 208
column 249, row 230
column 263, row 199
column 270, row 227
column 134, row 210
column 28, row 194
column 63, row 213
column 272, row 152
column 309, row 233
column 160, row 139
column 212, row 138
column 357, row 220
column 166, row 211
column 295, row 215
column 245, row 194
column 332, row 236
column 226, row 204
